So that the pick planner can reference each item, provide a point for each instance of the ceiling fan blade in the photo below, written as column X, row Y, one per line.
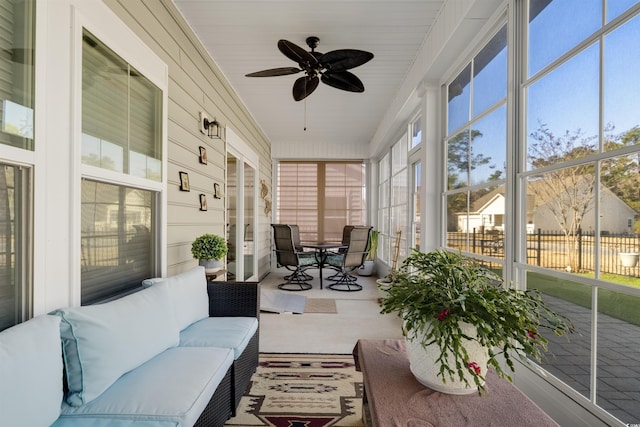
column 343, row 80
column 297, row 54
column 344, row 59
column 304, row 86
column 284, row 71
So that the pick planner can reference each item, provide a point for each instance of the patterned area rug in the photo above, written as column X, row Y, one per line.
column 302, row 390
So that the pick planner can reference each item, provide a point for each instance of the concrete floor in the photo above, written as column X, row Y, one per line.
column 358, row 316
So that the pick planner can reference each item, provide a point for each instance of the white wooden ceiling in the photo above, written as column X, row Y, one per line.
column 241, row 36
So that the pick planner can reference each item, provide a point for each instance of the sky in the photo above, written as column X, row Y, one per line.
column 566, row 98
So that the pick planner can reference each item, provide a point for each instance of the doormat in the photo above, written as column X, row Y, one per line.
column 320, row 305
column 312, row 390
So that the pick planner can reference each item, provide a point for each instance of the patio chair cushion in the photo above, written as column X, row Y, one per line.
column 306, row 259
column 188, row 293
column 226, row 332
column 174, row 386
column 102, row 342
column 335, row 260
column 31, row 373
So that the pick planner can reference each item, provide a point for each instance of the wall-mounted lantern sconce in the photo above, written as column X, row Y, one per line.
column 211, row 128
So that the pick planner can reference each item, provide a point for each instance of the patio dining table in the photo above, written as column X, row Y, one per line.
column 322, row 250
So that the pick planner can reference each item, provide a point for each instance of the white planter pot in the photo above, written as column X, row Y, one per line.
column 367, row 268
column 211, row 266
column 383, row 282
column 629, row 259
column 424, row 367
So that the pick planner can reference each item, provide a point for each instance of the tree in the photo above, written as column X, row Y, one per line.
column 462, row 160
column 566, row 193
column 621, row 174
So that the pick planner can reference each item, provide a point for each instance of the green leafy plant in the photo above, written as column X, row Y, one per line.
column 208, row 247
column 435, row 292
column 372, row 249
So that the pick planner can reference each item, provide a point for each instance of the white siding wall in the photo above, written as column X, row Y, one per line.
column 153, row 28
column 195, row 84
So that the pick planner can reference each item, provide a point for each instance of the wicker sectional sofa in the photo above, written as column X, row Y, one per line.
column 180, row 352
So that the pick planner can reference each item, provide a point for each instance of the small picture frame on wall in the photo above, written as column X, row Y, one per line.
column 184, row 181
column 203, row 155
column 216, row 191
column 203, row 202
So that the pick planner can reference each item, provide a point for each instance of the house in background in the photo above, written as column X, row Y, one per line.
column 488, row 212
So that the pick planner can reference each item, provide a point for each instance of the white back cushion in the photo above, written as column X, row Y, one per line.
column 103, row 342
column 188, row 292
column 31, row 373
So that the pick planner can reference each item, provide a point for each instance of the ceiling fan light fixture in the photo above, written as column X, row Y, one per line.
column 330, row 68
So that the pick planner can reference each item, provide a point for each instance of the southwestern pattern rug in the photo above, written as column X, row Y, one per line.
column 302, row 390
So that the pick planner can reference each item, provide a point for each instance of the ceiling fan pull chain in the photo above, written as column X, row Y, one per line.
column 305, row 114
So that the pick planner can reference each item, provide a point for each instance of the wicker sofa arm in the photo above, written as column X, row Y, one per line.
column 231, row 299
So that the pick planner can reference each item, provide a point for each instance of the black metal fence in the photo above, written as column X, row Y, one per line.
column 555, row 250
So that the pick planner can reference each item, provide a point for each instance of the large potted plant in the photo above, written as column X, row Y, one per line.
column 209, row 249
column 367, row 268
column 459, row 318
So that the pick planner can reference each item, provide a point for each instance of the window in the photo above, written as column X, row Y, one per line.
column 17, row 73
column 122, row 174
column 118, row 229
column 394, row 198
column 15, row 247
column 399, row 197
column 121, row 122
column 476, row 148
column 580, row 186
column 321, row 197
column 417, row 191
column 416, row 133
column 17, row 143
column 384, row 185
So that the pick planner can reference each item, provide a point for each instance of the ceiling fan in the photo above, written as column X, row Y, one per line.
column 330, row 68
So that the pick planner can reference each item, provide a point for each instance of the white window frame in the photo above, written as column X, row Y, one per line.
column 121, row 39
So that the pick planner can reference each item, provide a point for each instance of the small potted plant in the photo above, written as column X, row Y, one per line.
column 366, row 269
column 458, row 318
column 209, row 249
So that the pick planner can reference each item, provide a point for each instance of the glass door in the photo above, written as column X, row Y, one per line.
column 242, row 262
column 232, row 240
column 249, row 225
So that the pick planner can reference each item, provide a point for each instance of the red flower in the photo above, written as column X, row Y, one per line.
column 475, row 367
column 443, row 314
column 532, row 335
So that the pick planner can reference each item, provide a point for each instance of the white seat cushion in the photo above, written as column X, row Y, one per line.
column 227, row 332
column 174, row 386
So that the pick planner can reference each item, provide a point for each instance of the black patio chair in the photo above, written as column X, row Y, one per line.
column 292, row 259
column 350, row 260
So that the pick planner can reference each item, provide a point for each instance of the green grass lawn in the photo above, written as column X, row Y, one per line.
column 621, row 306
